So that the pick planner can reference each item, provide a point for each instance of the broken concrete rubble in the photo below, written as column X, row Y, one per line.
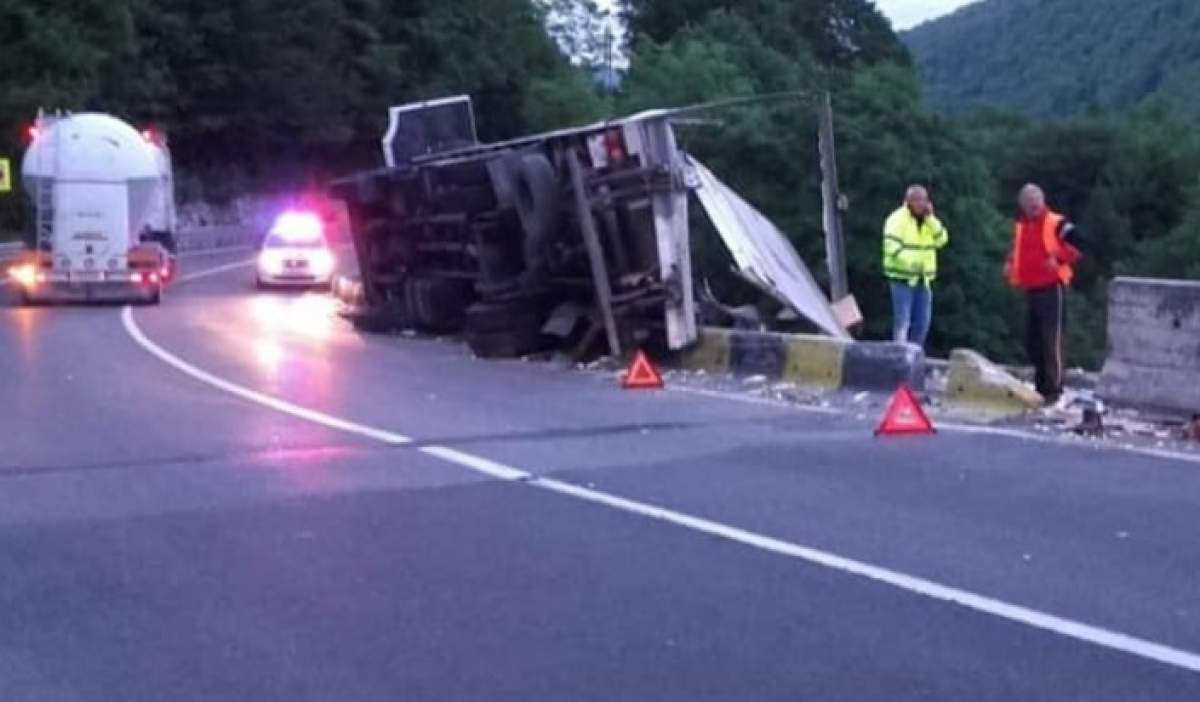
column 981, row 385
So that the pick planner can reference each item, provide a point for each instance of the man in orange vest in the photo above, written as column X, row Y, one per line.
column 1043, row 253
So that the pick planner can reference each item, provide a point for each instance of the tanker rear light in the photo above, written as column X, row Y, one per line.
column 26, row 275
column 139, row 278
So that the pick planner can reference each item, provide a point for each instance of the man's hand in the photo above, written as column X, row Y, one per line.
column 1052, row 264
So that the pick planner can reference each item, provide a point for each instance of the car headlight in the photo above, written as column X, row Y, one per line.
column 321, row 262
column 270, row 263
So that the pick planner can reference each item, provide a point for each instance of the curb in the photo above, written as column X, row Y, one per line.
column 807, row 359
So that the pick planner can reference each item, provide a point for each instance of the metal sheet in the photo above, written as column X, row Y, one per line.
column 762, row 253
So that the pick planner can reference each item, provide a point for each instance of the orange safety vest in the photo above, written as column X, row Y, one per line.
column 1031, row 274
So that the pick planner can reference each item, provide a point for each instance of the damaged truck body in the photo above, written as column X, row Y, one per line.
column 577, row 238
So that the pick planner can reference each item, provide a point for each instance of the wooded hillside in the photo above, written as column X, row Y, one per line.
column 1057, row 58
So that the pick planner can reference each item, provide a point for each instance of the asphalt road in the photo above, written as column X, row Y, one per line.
column 296, row 512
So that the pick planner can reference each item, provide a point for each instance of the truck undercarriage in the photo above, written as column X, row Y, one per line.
column 577, row 238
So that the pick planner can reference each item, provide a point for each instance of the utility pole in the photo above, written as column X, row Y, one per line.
column 831, row 197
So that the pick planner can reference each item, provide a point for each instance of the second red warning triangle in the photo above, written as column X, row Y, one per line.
column 642, row 375
column 904, row 416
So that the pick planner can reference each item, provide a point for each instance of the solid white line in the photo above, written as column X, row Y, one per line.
column 215, row 271
column 200, row 253
column 274, row 403
column 1020, row 434
column 980, row 603
column 1066, row 441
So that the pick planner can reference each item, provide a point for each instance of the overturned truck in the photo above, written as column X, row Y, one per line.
column 577, row 238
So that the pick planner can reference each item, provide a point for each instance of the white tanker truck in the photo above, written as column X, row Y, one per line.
column 103, row 196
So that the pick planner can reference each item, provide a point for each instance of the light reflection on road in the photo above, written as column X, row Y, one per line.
column 307, row 316
column 290, row 339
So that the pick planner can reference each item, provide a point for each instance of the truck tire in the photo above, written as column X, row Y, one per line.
column 538, row 206
column 504, row 330
column 436, row 305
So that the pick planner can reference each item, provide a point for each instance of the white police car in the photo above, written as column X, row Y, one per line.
column 295, row 253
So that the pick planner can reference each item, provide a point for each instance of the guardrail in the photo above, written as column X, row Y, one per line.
column 9, row 251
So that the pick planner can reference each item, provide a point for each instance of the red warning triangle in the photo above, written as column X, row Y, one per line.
column 904, row 416
column 642, row 375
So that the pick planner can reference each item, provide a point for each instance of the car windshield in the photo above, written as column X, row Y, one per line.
column 275, row 240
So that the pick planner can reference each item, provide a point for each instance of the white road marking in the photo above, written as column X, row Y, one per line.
column 981, row 603
column 1036, row 619
column 1163, row 454
column 215, row 271
column 200, row 253
column 1058, row 440
column 252, row 396
column 983, row 430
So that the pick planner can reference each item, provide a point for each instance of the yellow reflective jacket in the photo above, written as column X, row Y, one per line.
column 910, row 249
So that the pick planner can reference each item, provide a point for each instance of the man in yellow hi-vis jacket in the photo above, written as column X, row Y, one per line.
column 912, row 237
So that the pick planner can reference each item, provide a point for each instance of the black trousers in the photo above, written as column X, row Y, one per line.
column 1044, row 343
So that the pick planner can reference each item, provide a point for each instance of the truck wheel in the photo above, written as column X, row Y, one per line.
column 538, row 206
column 436, row 305
column 504, row 330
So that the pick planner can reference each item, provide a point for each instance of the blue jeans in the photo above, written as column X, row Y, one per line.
column 912, row 312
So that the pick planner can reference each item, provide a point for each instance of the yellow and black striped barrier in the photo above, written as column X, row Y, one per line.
column 805, row 359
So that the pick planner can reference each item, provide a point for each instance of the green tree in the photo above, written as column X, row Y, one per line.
column 886, row 141
column 836, row 32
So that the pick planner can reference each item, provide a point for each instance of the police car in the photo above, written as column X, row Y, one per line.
column 295, row 253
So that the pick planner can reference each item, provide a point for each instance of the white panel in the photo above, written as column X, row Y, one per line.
column 763, row 253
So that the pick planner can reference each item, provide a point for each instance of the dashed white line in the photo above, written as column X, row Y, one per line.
column 1036, row 619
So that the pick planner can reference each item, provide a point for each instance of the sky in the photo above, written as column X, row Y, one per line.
column 908, row 13
column 903, row 13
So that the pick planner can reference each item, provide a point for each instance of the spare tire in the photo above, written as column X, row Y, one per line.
column 538, row 206
column 505, row 329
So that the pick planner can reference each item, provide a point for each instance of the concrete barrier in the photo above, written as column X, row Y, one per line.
column 1153, row 345
column 807, row 359
column 980, row 385
column 877, row 365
